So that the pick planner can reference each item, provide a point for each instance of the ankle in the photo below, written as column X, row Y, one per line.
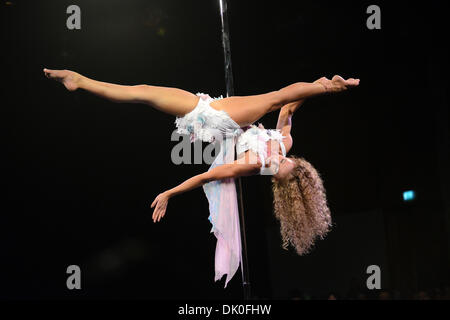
column 80, row 81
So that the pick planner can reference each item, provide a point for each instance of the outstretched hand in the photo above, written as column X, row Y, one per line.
column 160, row 204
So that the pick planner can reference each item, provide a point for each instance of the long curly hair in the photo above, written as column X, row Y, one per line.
column 300, row 205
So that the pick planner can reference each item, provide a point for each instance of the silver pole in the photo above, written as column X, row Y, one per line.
column 230, row 92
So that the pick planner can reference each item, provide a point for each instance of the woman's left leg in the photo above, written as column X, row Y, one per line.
column 170, row 100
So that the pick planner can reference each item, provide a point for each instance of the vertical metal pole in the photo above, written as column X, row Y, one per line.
column 230, row 92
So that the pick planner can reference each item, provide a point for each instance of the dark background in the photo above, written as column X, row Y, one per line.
column 79, row 172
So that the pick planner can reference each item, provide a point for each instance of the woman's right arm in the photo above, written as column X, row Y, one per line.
column 230, row 170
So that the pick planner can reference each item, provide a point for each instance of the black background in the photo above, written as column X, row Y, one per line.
column 80, row 172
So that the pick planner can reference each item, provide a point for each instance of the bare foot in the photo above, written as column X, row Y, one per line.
column 337, row 83
column 68, row 78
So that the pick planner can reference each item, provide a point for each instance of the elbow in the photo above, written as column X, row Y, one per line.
column 137, row 93
column 248, row 170
column 205, row 178
column 256, row 168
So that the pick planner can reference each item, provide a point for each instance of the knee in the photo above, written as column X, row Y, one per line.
column 277, row 100
column 138, row 92
column 140, row 87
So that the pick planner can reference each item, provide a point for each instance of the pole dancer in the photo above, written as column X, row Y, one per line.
column 299, row 196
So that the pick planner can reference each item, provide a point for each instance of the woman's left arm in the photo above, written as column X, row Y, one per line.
column 284, row 123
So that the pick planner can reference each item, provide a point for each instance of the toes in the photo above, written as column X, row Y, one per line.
column 48, row 73
column 353, row 82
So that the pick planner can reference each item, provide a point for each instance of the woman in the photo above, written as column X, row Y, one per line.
column 299, row 197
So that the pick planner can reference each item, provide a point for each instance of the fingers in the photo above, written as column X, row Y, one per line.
column 158, row 216
column 158, row 213
column 155, row 213
column 154, row 202
column 160, row 204
column 161, row 212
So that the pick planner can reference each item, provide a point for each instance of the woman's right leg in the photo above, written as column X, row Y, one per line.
column 173, row 101
column 246, row 110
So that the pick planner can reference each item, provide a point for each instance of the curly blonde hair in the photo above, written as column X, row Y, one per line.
column 300, row 205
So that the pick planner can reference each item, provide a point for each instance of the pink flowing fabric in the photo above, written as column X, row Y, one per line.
column 224, row 216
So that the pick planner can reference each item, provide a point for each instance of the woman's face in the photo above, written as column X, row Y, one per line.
column 286, row 166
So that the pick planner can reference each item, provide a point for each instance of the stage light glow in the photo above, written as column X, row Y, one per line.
column 409, row 195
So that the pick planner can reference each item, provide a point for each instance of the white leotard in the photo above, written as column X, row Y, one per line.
column 204, row 122
column 255, row 139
